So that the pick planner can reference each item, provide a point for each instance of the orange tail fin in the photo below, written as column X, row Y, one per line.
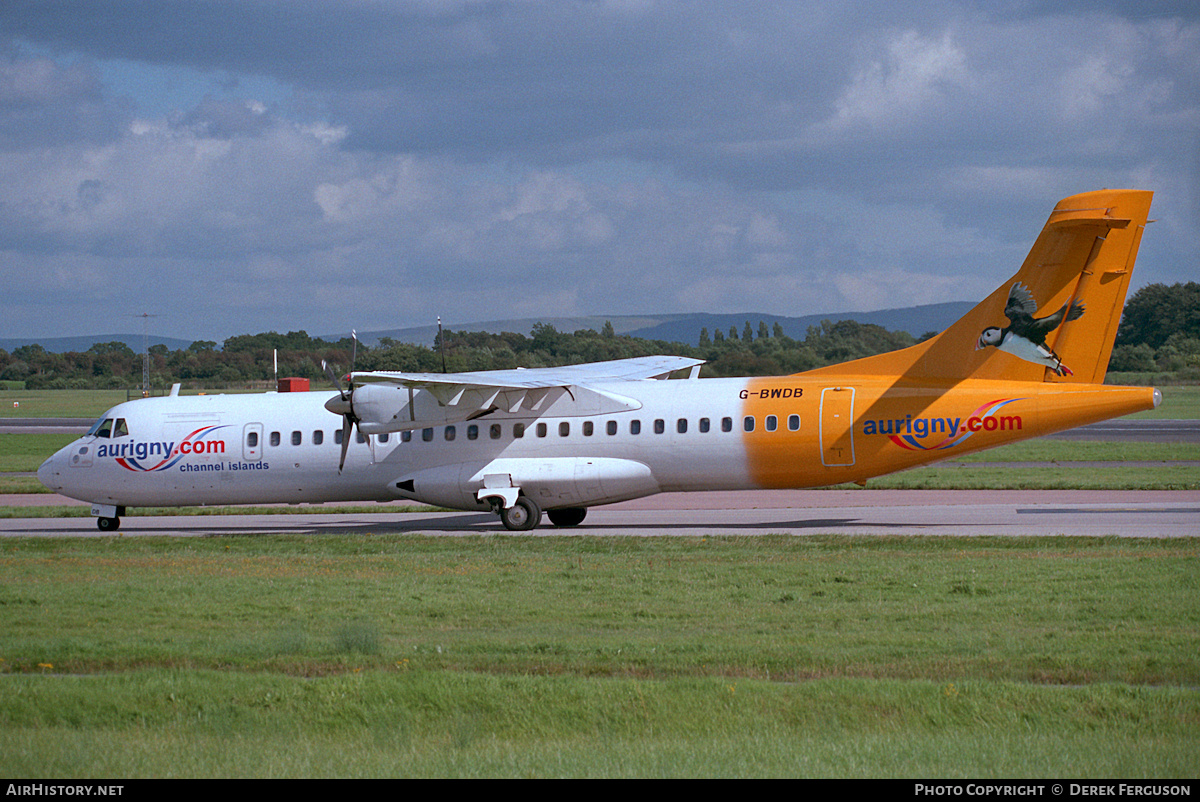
column 1056, row 319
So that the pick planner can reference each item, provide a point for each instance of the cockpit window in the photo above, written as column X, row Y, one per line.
column 108, row 427
column 101, row 428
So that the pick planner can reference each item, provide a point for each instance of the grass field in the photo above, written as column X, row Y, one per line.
column 548, row 656
column 1179, row 403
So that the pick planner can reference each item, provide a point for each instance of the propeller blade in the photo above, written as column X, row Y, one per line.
column 370, row 444
column 332, row 377
column 347, row 431
column 344, row 404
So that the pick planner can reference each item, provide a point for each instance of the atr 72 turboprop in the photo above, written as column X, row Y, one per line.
column 1027, row 361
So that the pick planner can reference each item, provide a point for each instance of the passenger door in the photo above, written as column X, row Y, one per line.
column 837, row 426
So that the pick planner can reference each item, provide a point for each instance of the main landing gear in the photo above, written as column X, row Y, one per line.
column 522, row 516
column 525, row 515
column 108, row 524
column 568, row 516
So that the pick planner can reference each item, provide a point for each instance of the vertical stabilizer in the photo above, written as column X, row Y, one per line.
column 1056, row 319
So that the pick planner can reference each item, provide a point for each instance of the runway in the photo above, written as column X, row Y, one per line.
column 1013, row 513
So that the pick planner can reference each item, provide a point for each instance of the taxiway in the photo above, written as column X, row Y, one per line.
column 1014, row 513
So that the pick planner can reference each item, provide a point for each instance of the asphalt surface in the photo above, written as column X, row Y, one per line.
column 1043, row 513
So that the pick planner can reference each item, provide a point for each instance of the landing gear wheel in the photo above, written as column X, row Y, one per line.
column 570, row 516
column 108, row 524
column 522, row 516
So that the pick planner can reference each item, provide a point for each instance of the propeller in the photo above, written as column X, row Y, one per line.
column 343, row 404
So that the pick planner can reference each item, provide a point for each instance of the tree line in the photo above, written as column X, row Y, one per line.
column 1160, row 331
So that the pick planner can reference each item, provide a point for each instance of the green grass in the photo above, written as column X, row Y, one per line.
column 433, row 724
column 551, row 656
column 1179, row 403
column 78, row 403
column 59, row 403
column 1049, row 450
column 763, row 607
column 1056, row 477
column 20, row 484
column 26, row 452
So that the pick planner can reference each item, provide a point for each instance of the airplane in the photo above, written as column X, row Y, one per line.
column 561, row 440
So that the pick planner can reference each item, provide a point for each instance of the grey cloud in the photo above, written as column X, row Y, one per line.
column 604, row 157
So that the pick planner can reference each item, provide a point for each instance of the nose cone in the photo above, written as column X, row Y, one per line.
column 338, row 405
column 49, row 474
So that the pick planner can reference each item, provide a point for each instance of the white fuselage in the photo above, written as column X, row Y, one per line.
column 284, row 447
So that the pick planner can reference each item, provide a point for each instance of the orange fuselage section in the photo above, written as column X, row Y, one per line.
column 811, row 432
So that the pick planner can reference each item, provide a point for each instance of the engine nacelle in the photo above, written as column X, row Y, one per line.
column 553, row 482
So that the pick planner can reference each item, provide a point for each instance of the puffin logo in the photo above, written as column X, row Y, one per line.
column 1025, row 335
column 909, row 432
column 134, row 456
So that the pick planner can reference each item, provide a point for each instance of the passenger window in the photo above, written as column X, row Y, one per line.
column 359, row 437
column 296, row 438
column 318, row 437
column 727, row 424
column 495, row 431
column 588, row 428
column 541, row 430
column 450, row 433
column 274, row 438
column 383, row 438
column 659, row 426
column 611, row 427
column 748, row 423
column 473, row 432
column 252, row 439
column 772, row 423
column 406, row 436
column 704, row 424
column 427, row 435
column 635, row 427
column 564, row 429
column 681, row 425
column 518, row 430
column 793, row 423
column 121, row 429
column 338, row 436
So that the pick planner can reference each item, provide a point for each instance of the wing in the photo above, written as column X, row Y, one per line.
column 463, row 396
column 644, row 367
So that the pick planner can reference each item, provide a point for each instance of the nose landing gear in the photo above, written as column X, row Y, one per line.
column 108, row 517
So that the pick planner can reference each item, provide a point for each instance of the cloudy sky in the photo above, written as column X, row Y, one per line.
column 324, row 165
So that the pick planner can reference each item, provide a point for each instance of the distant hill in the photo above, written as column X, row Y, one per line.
column 685, row 328
column 61, row 345
column 424, row 335
column 682, row 328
